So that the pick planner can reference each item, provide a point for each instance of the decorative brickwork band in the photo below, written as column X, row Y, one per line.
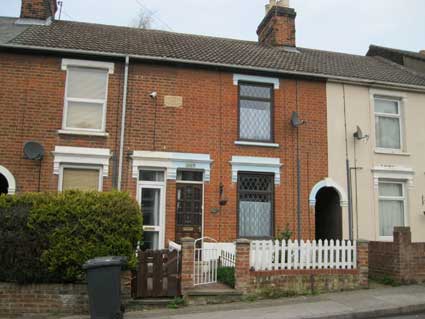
column 363, row 262
column 188, row 245
column 242, row 272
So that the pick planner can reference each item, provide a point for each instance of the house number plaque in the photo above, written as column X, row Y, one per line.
column 173, row 101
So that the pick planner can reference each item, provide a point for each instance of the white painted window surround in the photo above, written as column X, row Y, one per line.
column 85, row 101
column 393, row 173
column 258, row 79
column 256, row 164
column 83, row 156
column 171, row 162
column 260, row 144
column 10, row 180
column 388, row 119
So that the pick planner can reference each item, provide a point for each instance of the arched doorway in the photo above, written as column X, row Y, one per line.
column 7, row 181
column 328, row 214
column 4, row 185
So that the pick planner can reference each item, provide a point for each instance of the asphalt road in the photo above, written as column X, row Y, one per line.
column 422, row 316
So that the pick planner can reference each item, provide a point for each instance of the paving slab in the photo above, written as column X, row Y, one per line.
column 368, row 303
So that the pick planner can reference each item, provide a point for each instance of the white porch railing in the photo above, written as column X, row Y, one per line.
column 282, row 255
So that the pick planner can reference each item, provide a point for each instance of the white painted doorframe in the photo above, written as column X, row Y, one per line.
column 160, row 229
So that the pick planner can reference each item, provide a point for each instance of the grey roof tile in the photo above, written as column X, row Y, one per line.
column 154, row 43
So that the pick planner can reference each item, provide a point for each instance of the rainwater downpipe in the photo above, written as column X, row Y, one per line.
column 123, row 116
column 348, row 170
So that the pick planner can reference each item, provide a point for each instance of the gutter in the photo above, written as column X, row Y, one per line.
column 332, row 78
column 123, row 115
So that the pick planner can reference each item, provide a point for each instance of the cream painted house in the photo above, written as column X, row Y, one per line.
column 387, row 166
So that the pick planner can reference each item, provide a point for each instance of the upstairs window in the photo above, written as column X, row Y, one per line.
column 388, row 124
column 255, row 112
column 85, row 99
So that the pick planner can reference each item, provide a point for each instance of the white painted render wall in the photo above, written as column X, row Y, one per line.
column 360, row 111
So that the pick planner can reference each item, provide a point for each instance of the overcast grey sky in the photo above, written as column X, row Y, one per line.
column 335, row 25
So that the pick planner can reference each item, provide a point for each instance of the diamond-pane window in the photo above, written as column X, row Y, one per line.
column 255, row 193
column 255, row 112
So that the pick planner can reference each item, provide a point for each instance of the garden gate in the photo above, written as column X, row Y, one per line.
column 158, row 274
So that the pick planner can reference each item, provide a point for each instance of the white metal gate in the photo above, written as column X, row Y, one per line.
column 205, row 261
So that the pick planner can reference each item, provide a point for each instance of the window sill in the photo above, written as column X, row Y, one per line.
column 83, row 133
column 391, row 152
column 261, row 144
column 386, row 238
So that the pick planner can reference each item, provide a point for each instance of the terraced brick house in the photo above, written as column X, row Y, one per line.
column 198, row 128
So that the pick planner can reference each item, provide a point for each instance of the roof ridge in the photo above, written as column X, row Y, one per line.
column 152, row 30
column 412, row 54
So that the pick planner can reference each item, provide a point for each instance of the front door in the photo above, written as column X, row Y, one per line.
column 189, row 211
column 152, row 199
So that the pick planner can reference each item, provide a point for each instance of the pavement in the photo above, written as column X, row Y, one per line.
column 368, row 303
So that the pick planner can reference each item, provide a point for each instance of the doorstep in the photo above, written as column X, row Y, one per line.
column 212, row 294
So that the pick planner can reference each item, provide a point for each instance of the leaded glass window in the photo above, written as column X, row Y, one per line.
column 255, row 112
column 255, row 193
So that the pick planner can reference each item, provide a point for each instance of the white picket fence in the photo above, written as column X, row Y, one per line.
column 282, row 255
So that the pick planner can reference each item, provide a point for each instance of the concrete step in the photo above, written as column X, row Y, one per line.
column 212, row 294
column 148, row 303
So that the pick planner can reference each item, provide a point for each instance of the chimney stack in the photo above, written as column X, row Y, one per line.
column 278, row 26
column 38, row 9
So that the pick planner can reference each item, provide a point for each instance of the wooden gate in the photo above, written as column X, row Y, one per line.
column 158, row 274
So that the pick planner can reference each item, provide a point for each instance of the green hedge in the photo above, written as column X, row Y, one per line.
column 47, row 237
column 226, row 275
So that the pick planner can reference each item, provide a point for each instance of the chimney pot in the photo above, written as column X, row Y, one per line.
column 38, row 9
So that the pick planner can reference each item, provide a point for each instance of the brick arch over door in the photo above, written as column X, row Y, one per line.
column 328, row 182
column 10, row 180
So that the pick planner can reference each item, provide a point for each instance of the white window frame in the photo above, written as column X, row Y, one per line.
column 82, row 167
column 109, row 69
column 398, row 116
column 403, row 198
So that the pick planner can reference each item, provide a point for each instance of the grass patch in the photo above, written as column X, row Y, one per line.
column 176, row 303
column 226, row 275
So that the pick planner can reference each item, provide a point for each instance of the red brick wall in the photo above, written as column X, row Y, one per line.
column 208, row 123
column 299, row 281
column 44, row 299
column 400, row 260
column 32, row 99
column 38, row 9
column 31, row 104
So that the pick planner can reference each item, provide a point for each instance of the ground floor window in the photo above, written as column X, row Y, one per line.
column 81, row 178
column 392, row 206
column 255, row 203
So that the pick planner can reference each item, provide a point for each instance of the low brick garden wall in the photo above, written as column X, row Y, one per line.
column 400, row 260
column 302, row 281
column 39, row 299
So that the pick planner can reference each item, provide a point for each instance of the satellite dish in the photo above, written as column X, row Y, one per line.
column 33, row 151
column 295, row 120
column 360, row 135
